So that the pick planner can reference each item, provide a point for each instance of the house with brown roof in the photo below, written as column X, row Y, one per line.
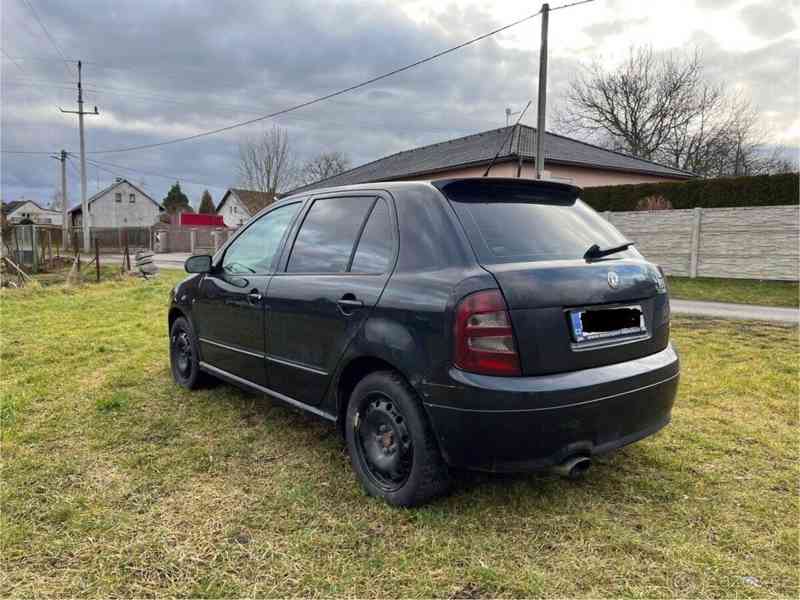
column 238, row 205
column 565, row 159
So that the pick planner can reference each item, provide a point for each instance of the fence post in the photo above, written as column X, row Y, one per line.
column 97, row 258
column 695, row 250
column 192, row 240
column 34, row 248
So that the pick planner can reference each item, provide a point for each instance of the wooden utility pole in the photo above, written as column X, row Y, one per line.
column 87, row 247
column 542, row 104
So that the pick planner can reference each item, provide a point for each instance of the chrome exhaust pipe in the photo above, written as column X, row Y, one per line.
column 574, row 467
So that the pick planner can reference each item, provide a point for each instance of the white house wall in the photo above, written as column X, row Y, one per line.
column 38, row 215
column 233, row 212
column 105, row 211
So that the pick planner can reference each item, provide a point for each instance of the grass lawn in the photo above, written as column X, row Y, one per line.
column 740, row 291
column 117, row 483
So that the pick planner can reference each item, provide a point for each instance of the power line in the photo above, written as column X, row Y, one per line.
column 49, row 36
column 16, row 64
column 319, row 98
column 326, row 96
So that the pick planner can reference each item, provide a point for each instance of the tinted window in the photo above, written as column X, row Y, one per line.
column 374, row 250
column 521, row 231
column 325, row 240
column 254, row 250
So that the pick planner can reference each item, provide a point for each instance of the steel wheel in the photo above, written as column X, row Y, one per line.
column 384, row 442
column 182, row 352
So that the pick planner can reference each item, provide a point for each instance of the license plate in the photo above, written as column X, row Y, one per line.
column 601, row 323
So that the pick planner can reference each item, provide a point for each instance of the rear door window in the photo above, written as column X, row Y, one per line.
column 326, row 238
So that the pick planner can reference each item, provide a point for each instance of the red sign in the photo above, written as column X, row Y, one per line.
column 201, row 220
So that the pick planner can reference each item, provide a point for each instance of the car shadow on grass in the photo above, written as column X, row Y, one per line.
column 633, row 467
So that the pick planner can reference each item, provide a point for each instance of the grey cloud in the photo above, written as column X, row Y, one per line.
column 599, row 31
column 220, row 62
column 768, row 19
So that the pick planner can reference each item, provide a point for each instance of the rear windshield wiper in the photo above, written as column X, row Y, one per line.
column 596, row 251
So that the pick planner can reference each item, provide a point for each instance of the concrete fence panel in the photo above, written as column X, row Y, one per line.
column 746, row 243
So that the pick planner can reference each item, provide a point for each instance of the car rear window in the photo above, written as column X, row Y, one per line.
column 534, row 229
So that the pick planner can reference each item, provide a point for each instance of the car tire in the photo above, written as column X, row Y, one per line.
column 184, row 355
column 392, row 447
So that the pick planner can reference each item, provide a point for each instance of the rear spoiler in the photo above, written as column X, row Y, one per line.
column 507, row 189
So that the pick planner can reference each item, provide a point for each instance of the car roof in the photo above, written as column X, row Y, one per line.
column 441, row 184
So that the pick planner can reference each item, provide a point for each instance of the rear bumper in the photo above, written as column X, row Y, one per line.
column 528, row 423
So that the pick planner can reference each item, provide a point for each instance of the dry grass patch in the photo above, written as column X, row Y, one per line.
column 118, row 483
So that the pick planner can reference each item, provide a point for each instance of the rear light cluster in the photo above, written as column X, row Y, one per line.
column 484, row 340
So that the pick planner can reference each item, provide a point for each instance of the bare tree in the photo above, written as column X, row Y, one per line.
column 323, row 166
column 266, row 163
column 636, row 106
column 55, row 200
column 663, row 107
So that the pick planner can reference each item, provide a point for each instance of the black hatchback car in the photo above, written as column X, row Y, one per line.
column 484, row 323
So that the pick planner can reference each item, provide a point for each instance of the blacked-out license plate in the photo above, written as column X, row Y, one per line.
column 601, row 323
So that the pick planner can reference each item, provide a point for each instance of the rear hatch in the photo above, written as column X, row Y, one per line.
column 568, row 311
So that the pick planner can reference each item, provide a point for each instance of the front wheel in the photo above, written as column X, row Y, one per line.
column 392, row 447
column 184, row 356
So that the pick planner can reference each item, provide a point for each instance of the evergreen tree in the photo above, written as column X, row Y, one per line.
column 206, row 204
column 176, row 201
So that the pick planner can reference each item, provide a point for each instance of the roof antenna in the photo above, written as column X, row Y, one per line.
column 510, row 131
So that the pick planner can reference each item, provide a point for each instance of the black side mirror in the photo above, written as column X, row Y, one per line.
column 200, row 263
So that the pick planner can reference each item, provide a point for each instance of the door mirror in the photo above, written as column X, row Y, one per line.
column 200, row 263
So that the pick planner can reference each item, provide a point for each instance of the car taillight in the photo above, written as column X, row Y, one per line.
column 484, row 340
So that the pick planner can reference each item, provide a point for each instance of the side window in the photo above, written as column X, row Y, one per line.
column 118, row 197
column 254, row 250
column 326, row 237
column 132, row 198
column 374, row 252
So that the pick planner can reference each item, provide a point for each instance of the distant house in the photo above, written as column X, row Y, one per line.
column 565, row 159
column 28, row 210
column 122, row 204
column 238, row 205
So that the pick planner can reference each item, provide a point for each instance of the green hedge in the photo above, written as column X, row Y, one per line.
column 759, row 190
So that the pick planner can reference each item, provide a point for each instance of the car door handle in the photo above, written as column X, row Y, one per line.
column 349, row 302
column 254, row 297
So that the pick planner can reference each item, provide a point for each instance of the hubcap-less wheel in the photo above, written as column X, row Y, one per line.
column 182, row 352
column 384, row 442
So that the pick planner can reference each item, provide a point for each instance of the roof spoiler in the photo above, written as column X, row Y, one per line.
column 507, row 189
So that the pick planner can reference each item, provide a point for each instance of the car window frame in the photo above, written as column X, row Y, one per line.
column 219, row 257
column 298, row 223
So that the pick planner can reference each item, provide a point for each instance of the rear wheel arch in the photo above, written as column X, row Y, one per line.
column 353, row 372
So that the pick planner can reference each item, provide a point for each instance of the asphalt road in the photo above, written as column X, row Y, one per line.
column 746, row 312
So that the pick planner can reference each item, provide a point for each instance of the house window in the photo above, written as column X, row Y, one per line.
column 118, row 197
column 132, row 198
column 235, row 209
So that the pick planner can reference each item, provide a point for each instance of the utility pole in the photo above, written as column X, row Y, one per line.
column 542, row 104
column 62, row 158
column 87, row 247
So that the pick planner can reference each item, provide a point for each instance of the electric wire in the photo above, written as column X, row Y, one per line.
column 308, row 102
column 67, row 63
column 319, row 99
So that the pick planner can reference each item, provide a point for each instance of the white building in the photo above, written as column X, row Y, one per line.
column 28, row 210
column 237, row 205
column 121, row 204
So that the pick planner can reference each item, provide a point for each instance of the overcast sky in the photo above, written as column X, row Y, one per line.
column 159, row 69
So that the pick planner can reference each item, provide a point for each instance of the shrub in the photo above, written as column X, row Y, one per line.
column 758, row 190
